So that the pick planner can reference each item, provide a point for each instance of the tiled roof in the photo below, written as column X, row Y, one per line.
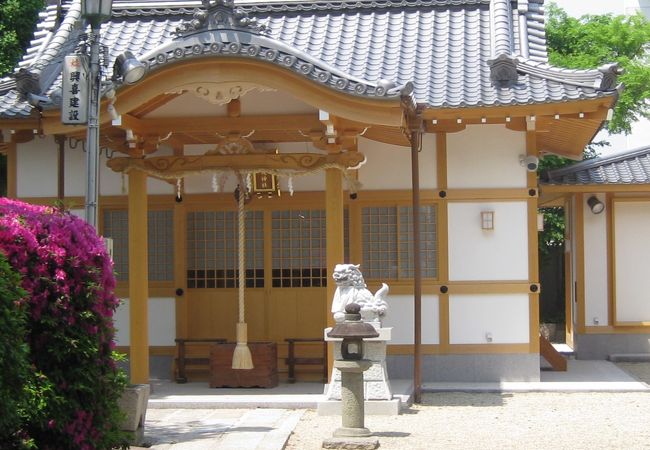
column 632, row 167
column 456, row 53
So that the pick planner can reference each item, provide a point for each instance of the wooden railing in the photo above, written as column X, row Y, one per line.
column 293, row 360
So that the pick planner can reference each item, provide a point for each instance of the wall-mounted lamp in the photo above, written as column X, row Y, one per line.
column 530, row 162
column 487, row 220
column 595, row 205
column 128, row 68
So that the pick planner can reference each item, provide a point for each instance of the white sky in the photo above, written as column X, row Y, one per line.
column 640, row 135
column 578, row 8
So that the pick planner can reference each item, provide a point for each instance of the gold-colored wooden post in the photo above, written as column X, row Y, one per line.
column 138, row 278
column 334, row 236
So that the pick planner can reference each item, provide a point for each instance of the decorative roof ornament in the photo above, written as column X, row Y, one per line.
column 503, row 70
column 220, row 14
column 610, row 74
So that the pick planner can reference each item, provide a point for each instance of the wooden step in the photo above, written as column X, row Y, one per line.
column 552, row 356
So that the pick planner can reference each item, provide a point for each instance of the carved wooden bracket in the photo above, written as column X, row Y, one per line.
column 170, row 167
column 219, row 93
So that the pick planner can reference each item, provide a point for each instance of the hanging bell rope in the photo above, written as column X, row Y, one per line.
column 241, row 358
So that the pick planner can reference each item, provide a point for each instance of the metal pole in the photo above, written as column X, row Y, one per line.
column 417, row 272
column 92, row 137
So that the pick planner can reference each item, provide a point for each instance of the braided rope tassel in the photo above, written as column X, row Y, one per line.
column 241, row 358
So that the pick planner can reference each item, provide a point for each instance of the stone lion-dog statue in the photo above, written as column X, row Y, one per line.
column 351, row 288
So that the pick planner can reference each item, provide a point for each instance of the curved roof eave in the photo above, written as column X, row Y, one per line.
column 243, row 44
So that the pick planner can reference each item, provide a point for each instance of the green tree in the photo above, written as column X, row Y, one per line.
column 585, row 43
column 17, row 21
column 594, row 40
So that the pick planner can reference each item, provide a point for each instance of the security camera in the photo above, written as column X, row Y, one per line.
column 531, row 163
column 38, row 100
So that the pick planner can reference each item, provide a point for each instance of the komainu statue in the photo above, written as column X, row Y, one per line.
column 351, row 288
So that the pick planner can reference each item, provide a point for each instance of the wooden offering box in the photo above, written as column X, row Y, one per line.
column 265, row 362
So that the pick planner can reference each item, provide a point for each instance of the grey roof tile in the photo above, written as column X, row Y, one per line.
column 441, row 46
column 631, row 167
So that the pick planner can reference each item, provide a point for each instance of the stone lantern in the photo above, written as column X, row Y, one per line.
column 352, row 365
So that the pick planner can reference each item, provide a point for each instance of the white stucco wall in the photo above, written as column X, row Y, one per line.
column 394, row 164
column 472, row 317
column 37, row 164
column 485, row 156
column 499, row 254
column 596, row 287
column 632, row 270
column 401, row 316
column 162, row 322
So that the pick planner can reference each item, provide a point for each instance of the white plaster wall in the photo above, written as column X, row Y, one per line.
column 111, row 183
column 505, row 316
column 632, row 242
column 499, row 254
column 572, row 245
column 393, row 162
column 596, row 288
column 485, row 156
column 268, row 102
column 162, row 322
column 401, row 316
column 75, row 171
column 188, row 105
column 37, row 164
column 253, row 102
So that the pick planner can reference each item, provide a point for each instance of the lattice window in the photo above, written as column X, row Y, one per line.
column 160, row 237
column 212, row 240
column 379, row 248
column 160, row 243
column 116, row 226
column 387, row 246
column 428, row 240
column 298, row 258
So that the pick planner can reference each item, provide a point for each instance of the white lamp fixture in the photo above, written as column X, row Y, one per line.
column 595, row 205
column 96, row 11
column 487, row 220
column 530, row 162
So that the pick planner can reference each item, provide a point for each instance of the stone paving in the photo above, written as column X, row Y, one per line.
column 224, row 429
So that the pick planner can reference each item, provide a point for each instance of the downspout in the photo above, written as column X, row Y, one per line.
column 414, row 123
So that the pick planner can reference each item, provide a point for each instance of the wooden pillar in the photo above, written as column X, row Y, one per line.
column 180, row 267
column 138, row 278
column 443, row 242
column 334, row 237
column 533, row 249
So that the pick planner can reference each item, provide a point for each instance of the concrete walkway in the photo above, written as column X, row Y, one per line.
column 193, row 416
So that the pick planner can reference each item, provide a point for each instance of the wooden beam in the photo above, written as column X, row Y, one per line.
column 180, row 165
column 544, row 109
column 153, row 104
column 222, row 124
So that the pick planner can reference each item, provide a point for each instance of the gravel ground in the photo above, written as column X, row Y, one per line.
column 457, row 420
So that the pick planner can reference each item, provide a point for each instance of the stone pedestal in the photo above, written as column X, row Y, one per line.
column 375, row 380
column 133, row 403
column 353, row 415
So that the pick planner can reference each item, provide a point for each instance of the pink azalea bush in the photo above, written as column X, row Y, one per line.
column 69, row 279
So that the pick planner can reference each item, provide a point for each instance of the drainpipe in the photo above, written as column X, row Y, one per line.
column 414, row 123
